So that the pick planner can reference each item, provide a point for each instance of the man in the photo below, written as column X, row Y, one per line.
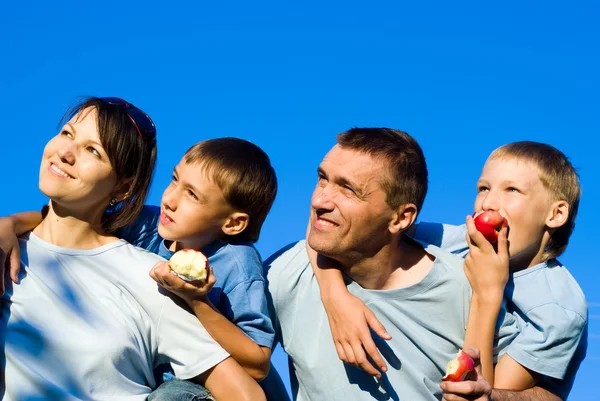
column 370, row 189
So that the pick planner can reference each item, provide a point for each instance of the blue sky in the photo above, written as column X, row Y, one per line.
column 462, row 78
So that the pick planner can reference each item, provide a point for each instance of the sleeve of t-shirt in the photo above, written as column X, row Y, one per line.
column 249, row 311
column 449, row 237
column 549, row 340
column 280, row 278
column 143, row 232
column 184, row 342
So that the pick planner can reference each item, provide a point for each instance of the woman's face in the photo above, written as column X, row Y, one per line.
column 75, row 172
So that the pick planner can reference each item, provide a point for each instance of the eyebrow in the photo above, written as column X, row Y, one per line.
column 72, row 127
column 197, row 192
column 341, row 181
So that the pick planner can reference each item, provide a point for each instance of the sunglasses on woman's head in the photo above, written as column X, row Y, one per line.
column 141, row 121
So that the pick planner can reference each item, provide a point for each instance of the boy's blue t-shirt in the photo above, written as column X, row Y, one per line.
column 239, row 293
column 549, row 306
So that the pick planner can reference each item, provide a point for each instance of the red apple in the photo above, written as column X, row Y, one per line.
column 457, row 369
column 489, row 224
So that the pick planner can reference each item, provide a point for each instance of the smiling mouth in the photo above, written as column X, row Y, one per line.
column 323, row 223
column 57, row 171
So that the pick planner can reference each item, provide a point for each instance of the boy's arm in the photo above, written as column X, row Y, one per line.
column 229, row 381
column 255, row 359
column 25, row 221
column 487, row 272
column 512, row 375
column 349, row 318
column 10, row 228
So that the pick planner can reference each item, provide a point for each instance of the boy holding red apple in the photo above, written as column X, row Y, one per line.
column 534, row 187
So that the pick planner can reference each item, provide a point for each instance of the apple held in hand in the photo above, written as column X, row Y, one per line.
column 457, row 369
column 189, row 264
column 489, row 224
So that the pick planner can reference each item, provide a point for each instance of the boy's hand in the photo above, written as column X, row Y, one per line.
column 476, row 389
column 187, row 290
column 486, row 268
column 9, row 252
column 349, row 321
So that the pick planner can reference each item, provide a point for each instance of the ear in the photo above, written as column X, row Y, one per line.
column 122, row 191
column 558, row 215
column 235, row 223
column 403, row 218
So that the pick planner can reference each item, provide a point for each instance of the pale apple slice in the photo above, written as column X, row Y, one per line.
column 189, row 264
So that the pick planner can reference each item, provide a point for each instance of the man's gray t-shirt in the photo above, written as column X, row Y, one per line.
column 427, row 322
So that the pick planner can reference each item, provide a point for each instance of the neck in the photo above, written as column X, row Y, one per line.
column 531, row 256
column 69, row 230
column 396, row 265
column 197, row 244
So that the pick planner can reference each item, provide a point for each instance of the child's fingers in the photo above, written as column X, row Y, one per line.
column 356, row 356
column 474, row 237
column 362, row 361
column 371, row 350
column 340, row 351
column 503, row 243
column 2, row 271
column 15, row 264
column 350, row 358
column 376, row 325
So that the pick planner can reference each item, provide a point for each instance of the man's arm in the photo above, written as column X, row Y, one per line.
column 228, row 381
column 478, row 389
column 531, row 394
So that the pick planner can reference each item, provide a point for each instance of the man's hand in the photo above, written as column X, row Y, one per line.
column 9, row 252
column 474, row 389
column 188, row 291
column 349, row 321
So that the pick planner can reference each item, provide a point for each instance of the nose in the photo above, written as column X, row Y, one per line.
column 490, row 201
column 169, row 199
column 322, row 198
column 66, row 153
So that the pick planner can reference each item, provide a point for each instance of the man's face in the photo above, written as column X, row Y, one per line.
column 349, row 213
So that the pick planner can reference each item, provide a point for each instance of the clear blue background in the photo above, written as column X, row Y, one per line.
column 462, row 77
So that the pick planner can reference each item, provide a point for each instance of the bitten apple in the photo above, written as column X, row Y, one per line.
column 189, row 264
column 457, row 369
column 489, row 223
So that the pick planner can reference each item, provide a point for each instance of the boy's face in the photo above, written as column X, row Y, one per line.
column 349, row 212
column 193, row 208
column 513, row 187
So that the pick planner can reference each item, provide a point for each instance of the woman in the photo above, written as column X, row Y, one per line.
column 86, row 321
